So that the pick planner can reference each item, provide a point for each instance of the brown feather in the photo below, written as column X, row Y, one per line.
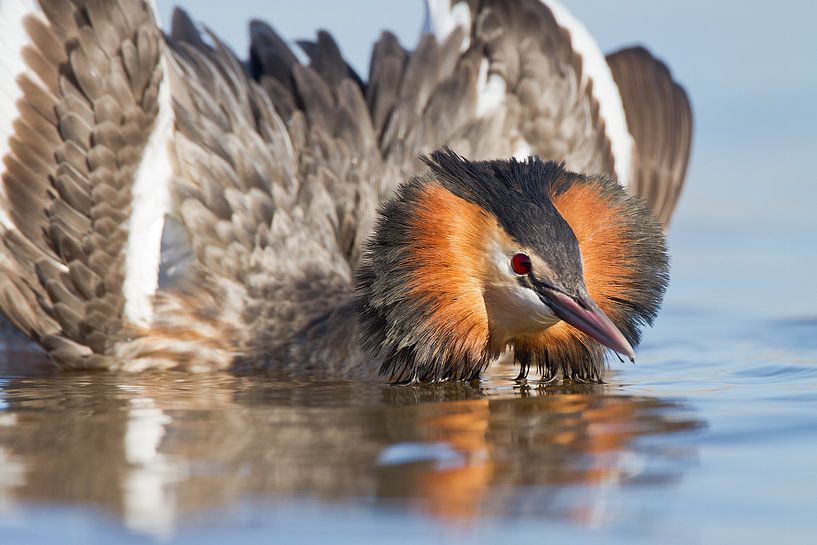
column 659, row 117
column 81, row 126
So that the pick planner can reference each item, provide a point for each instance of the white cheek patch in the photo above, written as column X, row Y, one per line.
column 513, row 309
column 531, row 308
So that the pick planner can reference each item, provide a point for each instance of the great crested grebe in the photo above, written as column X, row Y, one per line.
column 166, row 205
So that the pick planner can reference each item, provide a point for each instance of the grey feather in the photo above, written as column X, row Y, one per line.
column 70, row 202
column 325, row 57
column 660, row 119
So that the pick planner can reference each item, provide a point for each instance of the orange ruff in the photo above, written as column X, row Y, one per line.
column 447, row 263
column 596, row 223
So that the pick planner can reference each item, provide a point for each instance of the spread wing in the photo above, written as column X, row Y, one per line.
column 660, row 119
column 623, row 116
column 542, row 71
column 258, row 200
column 79, row 87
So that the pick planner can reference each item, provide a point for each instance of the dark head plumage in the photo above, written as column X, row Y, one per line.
column 516, row 193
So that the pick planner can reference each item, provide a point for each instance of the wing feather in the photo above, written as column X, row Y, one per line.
column 84, row 89
column 544, row 74
column 660, row 118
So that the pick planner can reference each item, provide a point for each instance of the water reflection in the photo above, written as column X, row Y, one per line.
column 154, row 449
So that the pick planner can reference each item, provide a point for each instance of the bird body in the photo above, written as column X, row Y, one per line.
column 166, row 205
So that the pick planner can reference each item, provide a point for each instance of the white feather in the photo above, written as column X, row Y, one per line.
column 442, row 18
column 605, row 90
column 491, row 93
column 490, row 90
column 522, row 149
column 151, row 202
column 13, row 38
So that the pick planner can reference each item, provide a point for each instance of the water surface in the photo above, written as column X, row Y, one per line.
column 710, row 437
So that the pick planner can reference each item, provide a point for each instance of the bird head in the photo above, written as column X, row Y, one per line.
column 473, row 258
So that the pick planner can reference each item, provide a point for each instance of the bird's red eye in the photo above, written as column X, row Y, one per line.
column 520, row 263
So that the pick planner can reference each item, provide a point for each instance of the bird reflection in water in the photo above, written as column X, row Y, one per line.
column 155, row 450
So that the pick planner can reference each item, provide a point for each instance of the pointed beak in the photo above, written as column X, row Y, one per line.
column 588, row 318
